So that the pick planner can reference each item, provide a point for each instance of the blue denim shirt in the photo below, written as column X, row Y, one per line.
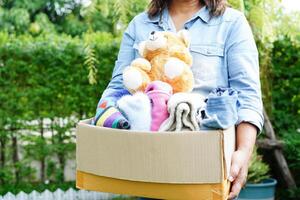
column 224, row 55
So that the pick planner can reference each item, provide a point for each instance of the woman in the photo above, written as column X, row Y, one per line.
column 224, row 54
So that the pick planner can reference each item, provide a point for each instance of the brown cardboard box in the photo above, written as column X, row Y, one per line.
column 165, row 165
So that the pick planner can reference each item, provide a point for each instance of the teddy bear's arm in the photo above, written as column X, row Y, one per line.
column 141, row 63
column 135, row 76
column 179, row 75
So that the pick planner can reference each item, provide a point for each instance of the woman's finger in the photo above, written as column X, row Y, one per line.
column 234, row 171
column 235, row 190
column 236, row 165
column 238, row 183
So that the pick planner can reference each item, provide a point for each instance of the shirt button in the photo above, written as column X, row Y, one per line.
column 186, row 28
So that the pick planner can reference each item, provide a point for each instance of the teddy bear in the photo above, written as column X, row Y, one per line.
column 165, row 57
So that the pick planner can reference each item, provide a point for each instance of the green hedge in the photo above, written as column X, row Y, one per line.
column 285, row 83
column 47, row 78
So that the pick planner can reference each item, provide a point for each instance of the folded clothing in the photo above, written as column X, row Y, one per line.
column 183, row 109
column 137, row 109
column 108, row 115
column 112, row 118
column 220, row 110
column 159, row 93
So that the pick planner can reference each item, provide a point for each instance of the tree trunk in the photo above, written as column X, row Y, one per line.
column 2, row 155
column 269, row 144
column 42, row 160
column 62, row 163
column 281, row 163
column 2, row 151
column 15, row 156
column 61, row 154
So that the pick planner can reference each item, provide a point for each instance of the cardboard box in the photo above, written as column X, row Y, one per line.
column 163, row 165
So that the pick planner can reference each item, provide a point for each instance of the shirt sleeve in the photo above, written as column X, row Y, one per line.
column 243, row 72
column 125, row 56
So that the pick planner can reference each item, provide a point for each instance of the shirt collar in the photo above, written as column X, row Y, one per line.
column 203, row 14
column 160, row 17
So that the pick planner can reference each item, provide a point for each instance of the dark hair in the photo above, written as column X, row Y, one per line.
column 216, row 7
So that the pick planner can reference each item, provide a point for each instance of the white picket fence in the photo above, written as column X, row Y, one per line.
column 59, row 194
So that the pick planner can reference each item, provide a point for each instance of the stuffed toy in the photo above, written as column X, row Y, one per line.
column 159, row 93
column 165, row 57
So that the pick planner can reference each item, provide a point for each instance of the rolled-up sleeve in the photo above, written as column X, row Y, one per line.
column 125, row 56
column 243, row 72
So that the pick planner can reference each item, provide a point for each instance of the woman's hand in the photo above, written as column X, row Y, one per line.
column 246, row 136
column 238, row 172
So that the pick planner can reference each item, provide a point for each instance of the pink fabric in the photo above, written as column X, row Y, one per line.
column 159, row 93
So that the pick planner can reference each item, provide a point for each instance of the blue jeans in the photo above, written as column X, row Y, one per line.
column 221, row 109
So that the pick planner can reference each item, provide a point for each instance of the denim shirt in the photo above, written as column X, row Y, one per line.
column 224, row 55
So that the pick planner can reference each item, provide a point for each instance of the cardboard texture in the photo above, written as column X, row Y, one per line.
column 165, row 165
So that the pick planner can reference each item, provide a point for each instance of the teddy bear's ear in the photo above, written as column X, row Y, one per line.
column 184, row 35
column 142, row 47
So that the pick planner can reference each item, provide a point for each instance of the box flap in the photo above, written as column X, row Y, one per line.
column 162, row 157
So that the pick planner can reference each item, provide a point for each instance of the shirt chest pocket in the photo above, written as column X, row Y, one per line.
column 208, row 62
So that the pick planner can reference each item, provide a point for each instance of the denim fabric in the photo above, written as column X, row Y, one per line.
column 224, row 55
column 221, row 109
